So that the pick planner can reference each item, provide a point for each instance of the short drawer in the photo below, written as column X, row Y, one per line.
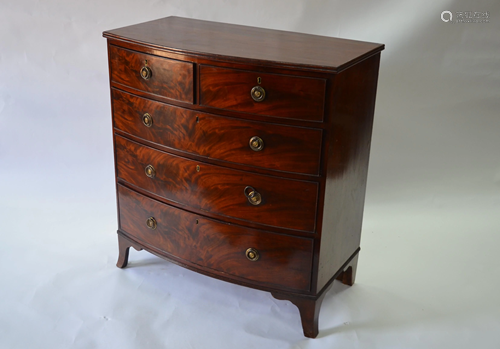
column 283, row 96
column 281, row 261
column 219, row 190
column 160, row 76
column 276, row 147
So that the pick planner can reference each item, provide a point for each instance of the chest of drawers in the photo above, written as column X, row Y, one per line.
column 242, row 153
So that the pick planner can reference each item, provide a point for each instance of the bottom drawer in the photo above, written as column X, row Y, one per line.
column 283, row 261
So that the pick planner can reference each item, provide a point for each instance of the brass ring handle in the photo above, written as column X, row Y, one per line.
column 147, row 120
column 253, row 196
column 256, row 143
column 150, row 171
column 146, row 72
column 258, row 93
column 252, row 254
column 151, row 223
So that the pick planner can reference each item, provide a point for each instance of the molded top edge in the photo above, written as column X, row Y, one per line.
column 243, row 43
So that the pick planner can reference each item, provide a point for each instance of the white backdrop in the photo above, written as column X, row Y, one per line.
column 428, row 273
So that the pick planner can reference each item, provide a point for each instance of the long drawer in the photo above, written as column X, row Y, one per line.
column 277, row 147
column 247, row 196
column 278, row 260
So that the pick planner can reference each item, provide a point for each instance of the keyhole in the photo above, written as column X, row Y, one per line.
column 259, row 80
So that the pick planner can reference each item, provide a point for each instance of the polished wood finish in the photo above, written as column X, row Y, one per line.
column 315, row 121
column 285, row 96
column 124, row 245
column 286, row 148
column 170, row 78
column 308, row 308
column 284, row 261
column 285, row 203
column 352, row 104
column 237, row 43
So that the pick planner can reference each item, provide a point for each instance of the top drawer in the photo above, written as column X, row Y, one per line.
column 284, row 96
column 157, row 75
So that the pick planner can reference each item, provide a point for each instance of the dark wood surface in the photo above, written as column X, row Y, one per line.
column 287, row 96
column 317, row 123
column 172, row 79
column 310, row 306
column 286, row 148
column 232, row 42
column 348, row 275
column 352, row 103
column 124, row 247
column 284, row 261
column 285, row 203
column 308, row 309
column 127, row 241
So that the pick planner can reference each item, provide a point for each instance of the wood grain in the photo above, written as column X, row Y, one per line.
column 237, row 43
column 286, row 148
column 172, row 79
column 285, row 203
column 289, row 97
column 285, row 261
column 316, row 121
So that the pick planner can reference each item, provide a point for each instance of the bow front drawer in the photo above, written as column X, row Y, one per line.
column 157, row 75
column 284, row 96
column 276, row 147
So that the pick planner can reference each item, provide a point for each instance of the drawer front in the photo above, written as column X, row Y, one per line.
column 284, row 202
column 169, row 78
column 284, row 261
column 285, row 96
column 285, row 148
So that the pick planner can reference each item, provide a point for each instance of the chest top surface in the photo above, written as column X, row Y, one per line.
column 242, row 43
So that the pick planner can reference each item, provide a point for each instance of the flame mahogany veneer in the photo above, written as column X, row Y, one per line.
column 242, row 153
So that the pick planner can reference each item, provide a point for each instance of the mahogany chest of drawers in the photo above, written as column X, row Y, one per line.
column 242, row 153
